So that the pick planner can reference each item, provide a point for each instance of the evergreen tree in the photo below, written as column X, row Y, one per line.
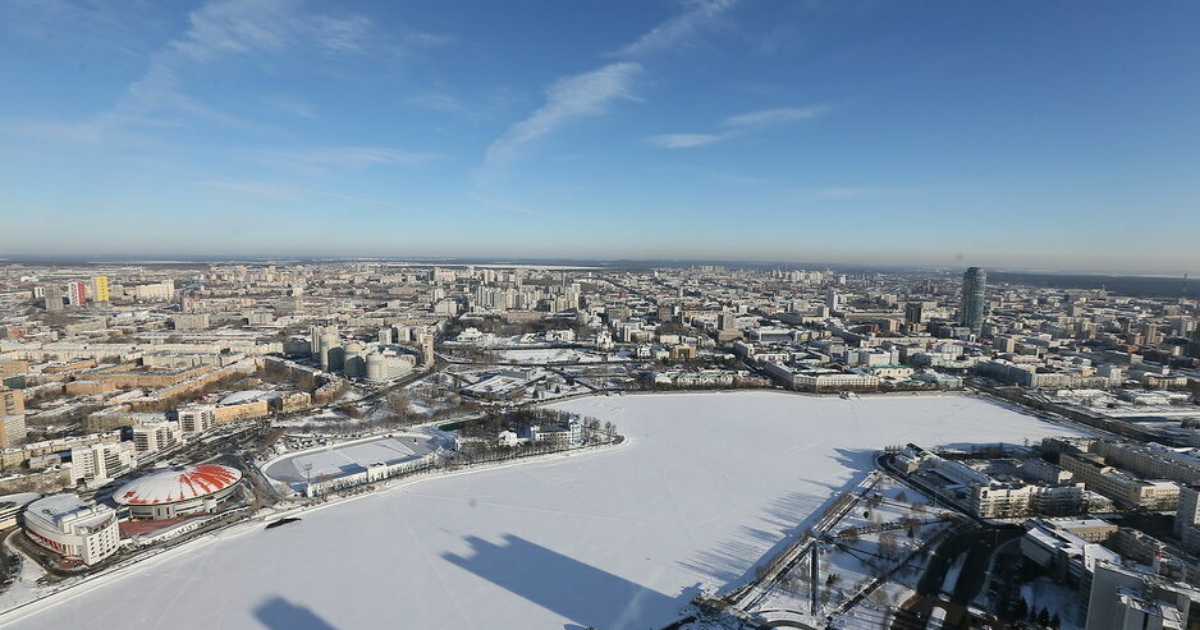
column 1021, row 610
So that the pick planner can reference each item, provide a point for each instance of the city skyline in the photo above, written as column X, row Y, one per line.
column 1055, row 137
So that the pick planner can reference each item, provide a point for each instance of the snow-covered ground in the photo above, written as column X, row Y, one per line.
column 617, row 538
column 541, row 356
column 850, row 563
column 1057, row 599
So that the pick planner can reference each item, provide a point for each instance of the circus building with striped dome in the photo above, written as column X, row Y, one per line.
column 178, row 492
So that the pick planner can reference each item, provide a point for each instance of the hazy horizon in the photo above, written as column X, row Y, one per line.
column 563, row 261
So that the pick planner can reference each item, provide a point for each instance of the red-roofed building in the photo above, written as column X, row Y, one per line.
column 177, row 492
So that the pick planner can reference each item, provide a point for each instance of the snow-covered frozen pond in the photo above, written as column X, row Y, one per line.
column 615, row 539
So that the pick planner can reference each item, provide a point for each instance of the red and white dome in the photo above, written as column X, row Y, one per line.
column 178, row 484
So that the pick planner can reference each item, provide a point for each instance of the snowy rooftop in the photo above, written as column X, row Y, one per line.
column 58, row 509
column 249, row 395
column 177, row 484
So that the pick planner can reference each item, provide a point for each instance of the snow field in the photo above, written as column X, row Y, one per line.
column 616, row 539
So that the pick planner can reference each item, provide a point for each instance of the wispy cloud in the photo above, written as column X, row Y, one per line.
column 267, row 190
column 312, row 161
column 845, row 192
column 700, row 14
column 590, row 93
column 424, row 39
column 238, row 27
column 438, row 101
column 286, row 192
column 496, row 103
column 568, row 99
column 737, row 125
column 683, row 140
column 217, row 29
column 499, row 205
column 774, row 116
column 226, row 27
column 292, row 105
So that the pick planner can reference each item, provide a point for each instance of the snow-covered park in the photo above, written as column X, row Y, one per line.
column 614, row 538
column 543, row 356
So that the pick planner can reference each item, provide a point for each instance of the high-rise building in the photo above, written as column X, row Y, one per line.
column 12, row 430
column 1188, row 512
column 974, row 288
column 54, row 298
column 100, row 284
column 156, row 436
column 427, row 351
column 1123, row 597
column 106, row 460
column 12, row 402
column 77, row 293
column 197, row 418
column 914, row 313
column 316, row 332
column 832, row 299
column 1187, row 518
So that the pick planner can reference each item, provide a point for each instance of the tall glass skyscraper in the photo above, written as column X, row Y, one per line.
column 973, row 289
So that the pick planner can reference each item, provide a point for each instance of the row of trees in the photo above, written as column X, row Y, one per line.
column 520, row 420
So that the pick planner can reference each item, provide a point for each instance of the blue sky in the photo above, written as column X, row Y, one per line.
column 1049, row 135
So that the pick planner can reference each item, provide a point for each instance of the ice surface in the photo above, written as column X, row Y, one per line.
column 614, row 538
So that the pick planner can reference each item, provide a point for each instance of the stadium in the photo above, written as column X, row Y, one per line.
column 178, row 492
column 339, row 466
column 73, row 528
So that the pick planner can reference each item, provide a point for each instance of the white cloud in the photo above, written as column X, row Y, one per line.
column 217, row 29
column 570, row 98
column 737, row 125
column 428, row 40
column 677, row 29
column 589, row 94
column 683, row 140
column 246, row 26
column 774, row 116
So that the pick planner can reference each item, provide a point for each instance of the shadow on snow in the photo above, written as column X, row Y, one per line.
column 278, row 613
column 579, row 592
column 733, row 562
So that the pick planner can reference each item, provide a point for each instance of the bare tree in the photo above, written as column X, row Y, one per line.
column 889, row 547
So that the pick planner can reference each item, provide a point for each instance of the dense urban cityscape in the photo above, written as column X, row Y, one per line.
column 150, row 405
column 599, row 315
